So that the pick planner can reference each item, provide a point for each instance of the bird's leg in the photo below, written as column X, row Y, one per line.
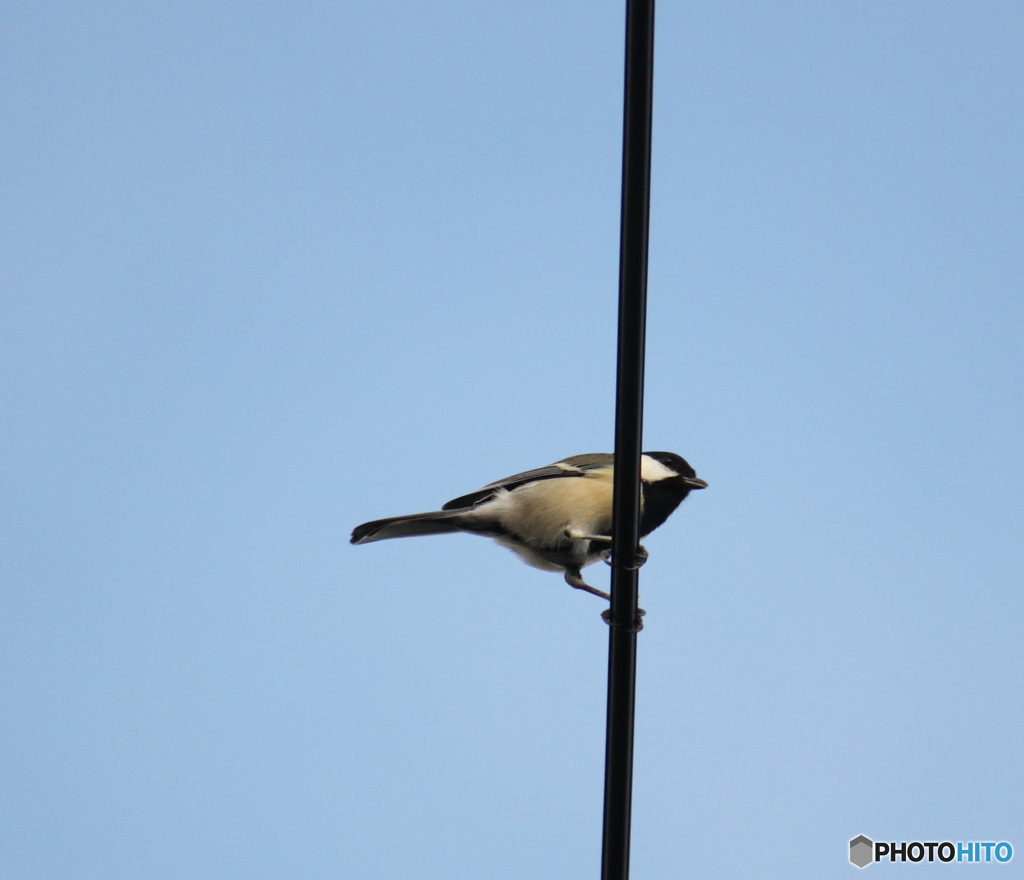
column 641, row 557
column 574, row 579
column 579, row 536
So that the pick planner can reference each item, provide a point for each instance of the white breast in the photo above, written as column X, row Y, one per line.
column 539, row 513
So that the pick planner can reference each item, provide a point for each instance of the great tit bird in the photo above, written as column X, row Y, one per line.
column 556, row 518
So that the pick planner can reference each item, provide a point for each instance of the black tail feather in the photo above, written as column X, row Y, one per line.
column 436, row 523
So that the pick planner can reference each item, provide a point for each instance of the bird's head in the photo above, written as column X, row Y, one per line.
column 658, row 466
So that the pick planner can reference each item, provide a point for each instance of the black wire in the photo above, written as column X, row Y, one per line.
column 629, row 405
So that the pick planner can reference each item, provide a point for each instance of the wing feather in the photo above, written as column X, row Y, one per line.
column 576, row 466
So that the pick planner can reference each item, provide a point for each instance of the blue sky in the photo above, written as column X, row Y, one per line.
column 270, row 270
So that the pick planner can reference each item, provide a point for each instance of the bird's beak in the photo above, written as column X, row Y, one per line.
column 695, row 482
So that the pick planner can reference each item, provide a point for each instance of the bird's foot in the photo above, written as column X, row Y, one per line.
column 641, row 557
column 574, row 579
column 638, row 624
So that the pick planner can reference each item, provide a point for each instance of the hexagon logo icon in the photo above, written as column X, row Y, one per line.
column 861, row 851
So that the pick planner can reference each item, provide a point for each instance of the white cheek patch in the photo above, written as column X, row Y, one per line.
column 652, row 470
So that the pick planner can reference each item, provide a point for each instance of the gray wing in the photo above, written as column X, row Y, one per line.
column 575, row 466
